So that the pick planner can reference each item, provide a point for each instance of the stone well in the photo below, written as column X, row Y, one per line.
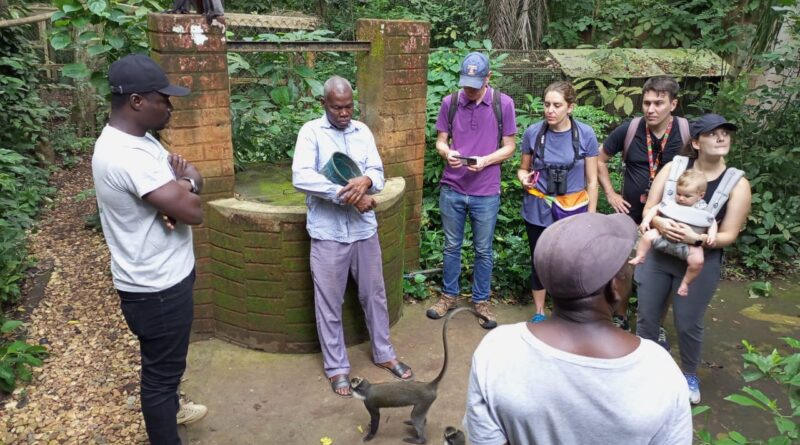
column 262, row 294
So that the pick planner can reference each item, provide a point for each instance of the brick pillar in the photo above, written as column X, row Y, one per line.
column 392, row 83
column 193, row 54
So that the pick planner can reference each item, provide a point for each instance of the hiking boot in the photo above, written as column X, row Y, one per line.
column 694, row 388
column 538, row 318
column 190, row 413
column 662, row 338
column 445, row 304
column 621, row 322
column 484, row 308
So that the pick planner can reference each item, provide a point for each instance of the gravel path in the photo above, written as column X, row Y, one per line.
column 88, row 390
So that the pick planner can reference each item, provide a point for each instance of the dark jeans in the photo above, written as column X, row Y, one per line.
column 162, row 322
column 534, row 232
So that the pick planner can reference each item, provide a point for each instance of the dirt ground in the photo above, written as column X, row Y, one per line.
column 87, row 392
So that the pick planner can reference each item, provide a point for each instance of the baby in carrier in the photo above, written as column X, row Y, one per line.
column 689, row 208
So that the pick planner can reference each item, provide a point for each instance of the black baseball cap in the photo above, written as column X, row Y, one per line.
column 709, row 122
column 137, row 73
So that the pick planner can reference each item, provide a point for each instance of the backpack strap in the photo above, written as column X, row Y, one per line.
column 496, row 108
column 629, row 135
column 576, row 143
column 723, row 191
column 678, row 166
column 451, row 112
column 683, row 126
column 498, row 114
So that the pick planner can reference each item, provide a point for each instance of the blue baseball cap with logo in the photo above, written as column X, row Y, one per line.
column 474, row 70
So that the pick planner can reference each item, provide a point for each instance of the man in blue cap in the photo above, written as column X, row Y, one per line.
column 477, row 128
column 147, row 200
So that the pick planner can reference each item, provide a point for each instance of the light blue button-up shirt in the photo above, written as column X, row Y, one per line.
column 328, row 217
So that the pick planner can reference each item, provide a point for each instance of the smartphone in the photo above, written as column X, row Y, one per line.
column 467, row 160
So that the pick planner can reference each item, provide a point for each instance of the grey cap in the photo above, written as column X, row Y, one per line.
column 576, row 256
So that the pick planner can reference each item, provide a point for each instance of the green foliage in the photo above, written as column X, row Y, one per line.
column 451, row 20
column 781, row 369
column 24, row 113
column 17, row 357
column 285, row 96
column 710, row 24
column 415, row 286
column 23, row 185
column 605, row 91
column 104, row 30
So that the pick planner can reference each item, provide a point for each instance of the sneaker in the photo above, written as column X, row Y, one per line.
column 445, row 304
column 694, row 388
column 484, row 308
column 538, row 318
column 190, row 413
column 621, row 322
column 662, row 338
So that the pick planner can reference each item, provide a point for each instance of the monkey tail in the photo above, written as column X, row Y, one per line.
column 444, row 338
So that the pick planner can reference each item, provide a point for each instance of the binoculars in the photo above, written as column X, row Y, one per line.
column 557, row 182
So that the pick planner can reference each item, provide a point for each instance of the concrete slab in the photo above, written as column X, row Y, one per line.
column 259, row 398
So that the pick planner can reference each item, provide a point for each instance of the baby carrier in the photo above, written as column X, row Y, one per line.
column 718, row 199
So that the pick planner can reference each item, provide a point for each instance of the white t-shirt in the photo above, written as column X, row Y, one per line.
column 523, row 391
column 145, row 255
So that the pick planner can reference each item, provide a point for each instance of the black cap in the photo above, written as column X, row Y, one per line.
column 709, row 122
column 138, row 73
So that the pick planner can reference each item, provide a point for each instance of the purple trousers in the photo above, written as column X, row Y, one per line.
column 332, row 263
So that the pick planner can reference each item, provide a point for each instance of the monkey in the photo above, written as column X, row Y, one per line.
column 395, row 394
column 453, row 436
column 208, row 8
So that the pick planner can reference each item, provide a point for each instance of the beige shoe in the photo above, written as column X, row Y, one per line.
column 190, row 413
column 445, row 304
column 485, row 308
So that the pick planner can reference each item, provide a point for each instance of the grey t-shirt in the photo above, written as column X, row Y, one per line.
column 145, row 255
column 523, row 391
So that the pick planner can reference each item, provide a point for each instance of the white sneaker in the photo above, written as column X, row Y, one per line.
column 190, row 413
column 694, row 388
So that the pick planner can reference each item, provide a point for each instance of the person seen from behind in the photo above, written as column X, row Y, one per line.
column 575, row 378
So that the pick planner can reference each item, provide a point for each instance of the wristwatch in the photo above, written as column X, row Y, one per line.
column 699, row 242
column 192, row 183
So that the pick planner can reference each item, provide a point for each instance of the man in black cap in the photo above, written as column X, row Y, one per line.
column 576, row 378
column 147, row 199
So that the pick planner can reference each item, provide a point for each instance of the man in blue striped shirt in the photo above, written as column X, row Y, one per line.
column 344, row 232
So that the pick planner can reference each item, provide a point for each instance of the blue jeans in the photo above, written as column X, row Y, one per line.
column 482, row 211
column 162, row 322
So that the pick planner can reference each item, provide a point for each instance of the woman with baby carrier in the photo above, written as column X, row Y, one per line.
column 660, row 276
column 558, row 172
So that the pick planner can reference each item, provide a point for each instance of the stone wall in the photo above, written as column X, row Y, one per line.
column 392, row 82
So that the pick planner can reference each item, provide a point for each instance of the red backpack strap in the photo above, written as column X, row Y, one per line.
column 629, row 135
